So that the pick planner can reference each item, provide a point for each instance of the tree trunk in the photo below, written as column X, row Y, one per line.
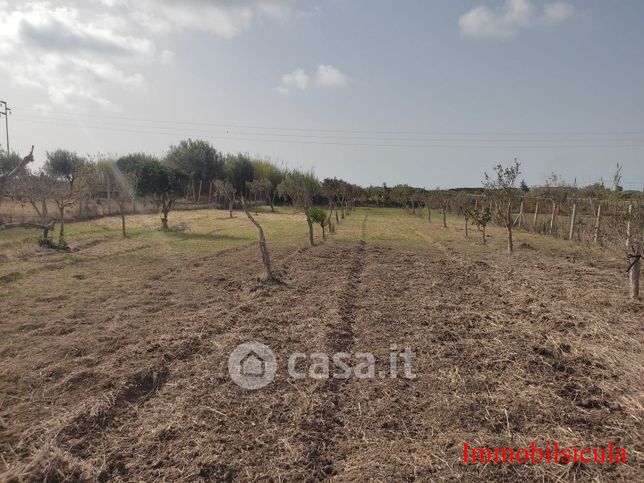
column 61, row 235
column 109, row 194
column 466, row 234
column 508, row 221
column 337, row 221
column 272, row 197
column 572, row 221
column 263, row 246
column 164, row 220
column 444, row 218
column 323, row 233
column 199, row 192
column 552, row 218
column 310, row 223
column 122, row 209
column 429, row 213
column 230, row 209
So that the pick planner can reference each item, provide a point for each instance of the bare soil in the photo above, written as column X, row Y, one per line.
column 120, row 373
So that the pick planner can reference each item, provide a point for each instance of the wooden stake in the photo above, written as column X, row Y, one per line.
column 628, row 225
column 536, row 213
column 572, row 221
column 519, row 216
column 599, row 214
column 635, row 261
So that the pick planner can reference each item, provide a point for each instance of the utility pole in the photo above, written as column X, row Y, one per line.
column 6, row 112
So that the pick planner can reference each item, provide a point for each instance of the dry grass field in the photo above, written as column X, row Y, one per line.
column 113, row 356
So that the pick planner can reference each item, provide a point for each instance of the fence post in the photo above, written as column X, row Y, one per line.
column 536, row 213
column 552, row 218
column 635, row 259
column 599, row 214
column 628, row 225
column 572, row 221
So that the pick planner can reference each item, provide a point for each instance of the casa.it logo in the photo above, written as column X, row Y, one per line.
column 252, row 365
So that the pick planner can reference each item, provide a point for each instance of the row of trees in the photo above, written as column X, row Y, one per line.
column 193, row 168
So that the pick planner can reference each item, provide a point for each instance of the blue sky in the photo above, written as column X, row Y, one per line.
column 430, row 93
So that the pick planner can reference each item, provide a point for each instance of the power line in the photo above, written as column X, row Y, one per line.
column 77, row 117
column 409, row 143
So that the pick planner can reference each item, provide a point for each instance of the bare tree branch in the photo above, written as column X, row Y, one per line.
column 25, row 161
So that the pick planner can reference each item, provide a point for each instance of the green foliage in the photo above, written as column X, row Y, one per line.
column 63, row 164
column 198, row 158
column 318, row 215
column 129, row 162
column 49, row 243
column 300, row 187
column 158, row 180
column 8, row 162
column 239, row 170
column 266, row 170
column 502, row 183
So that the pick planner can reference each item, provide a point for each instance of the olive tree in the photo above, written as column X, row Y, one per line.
column 502, row 186
column 265, row 169
column 263, row 246
column 301, row 187
column 9, row 173
column 200, row 160
column 225, row 190
column 318, row 216
column 480, row 219
column 160, row 182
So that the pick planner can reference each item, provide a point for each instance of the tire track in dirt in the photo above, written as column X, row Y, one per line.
column 323, row 453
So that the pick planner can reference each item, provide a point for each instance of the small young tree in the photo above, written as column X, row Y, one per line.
column 225, row 190
column 9, row 173
column 63, row 164
column 301, row 188
column 318, row 215
column 68, row 189
column 480, row 218
column 161, row 183
column 502, row 187
column 119, row 185
column 265, row 169
column 266, row 259
column 259, row 188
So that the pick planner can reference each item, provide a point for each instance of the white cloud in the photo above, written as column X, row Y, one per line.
column 329, row 76
column 78, row 51
column 516, row 15
column 296, row 80
column 325, row 76
column 555, row 13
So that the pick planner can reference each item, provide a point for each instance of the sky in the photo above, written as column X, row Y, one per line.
column 429, row 93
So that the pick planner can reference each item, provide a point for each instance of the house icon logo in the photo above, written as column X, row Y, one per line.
column 252, row 365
